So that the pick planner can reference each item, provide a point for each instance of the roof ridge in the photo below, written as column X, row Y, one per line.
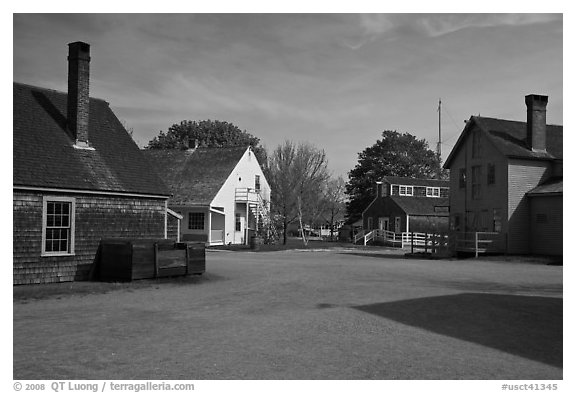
column 54, row 90
column 512, row 121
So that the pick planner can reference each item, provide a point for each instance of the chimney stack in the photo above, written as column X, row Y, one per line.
column 78, row 91
column 536, row 122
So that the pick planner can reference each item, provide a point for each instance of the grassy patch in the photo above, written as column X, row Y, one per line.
column 25, row 293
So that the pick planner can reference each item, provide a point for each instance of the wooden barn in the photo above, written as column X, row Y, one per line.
column 506, row 182
column 78, row 177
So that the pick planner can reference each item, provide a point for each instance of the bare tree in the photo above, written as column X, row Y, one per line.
column 296, row 174
column 334, row 202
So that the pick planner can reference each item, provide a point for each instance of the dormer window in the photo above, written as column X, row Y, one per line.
column 433, row 192
column 407, row 190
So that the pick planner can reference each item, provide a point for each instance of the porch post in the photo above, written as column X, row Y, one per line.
column 408, row 230
column 209, row 226
column 166, row 219
column 247, row 223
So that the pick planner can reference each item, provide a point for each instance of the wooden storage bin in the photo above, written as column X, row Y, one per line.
column 133, row 259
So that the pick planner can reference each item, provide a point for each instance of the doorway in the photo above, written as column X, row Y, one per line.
column 384, row 223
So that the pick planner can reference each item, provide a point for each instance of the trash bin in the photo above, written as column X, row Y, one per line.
column 256, row 242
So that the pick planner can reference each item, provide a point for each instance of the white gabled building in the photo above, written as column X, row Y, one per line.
column 221, row 193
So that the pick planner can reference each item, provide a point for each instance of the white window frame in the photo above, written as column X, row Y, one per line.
column 433, row 192
column 257, row 184
column 408, row 190
column 45, row 201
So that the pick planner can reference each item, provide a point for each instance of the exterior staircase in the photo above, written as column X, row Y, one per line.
column 260, row 210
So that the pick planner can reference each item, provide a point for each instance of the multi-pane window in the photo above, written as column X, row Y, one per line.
column 58, row 226
column 433, row 192
column 257, row 183
column 196, row 221
column 238, row 223
column 462, row 178
column 406, row 190
column 476, row 182
column 491, row 174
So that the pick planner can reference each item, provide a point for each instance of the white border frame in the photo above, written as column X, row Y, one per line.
column 72, row 200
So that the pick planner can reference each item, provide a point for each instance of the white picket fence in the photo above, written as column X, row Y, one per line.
column 475, row 242
column 398, row 239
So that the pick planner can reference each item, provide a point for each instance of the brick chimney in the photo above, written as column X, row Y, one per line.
column 78, row 91
column 536, row 122
column 378, row 189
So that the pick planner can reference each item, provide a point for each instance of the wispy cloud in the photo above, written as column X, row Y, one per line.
column 392, row 26
column 437, row 25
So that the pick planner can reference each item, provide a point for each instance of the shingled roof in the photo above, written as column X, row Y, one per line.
column 552, row 186
column 422, row 206
column 416, row 182
column 45, row 156
column 195, row 176
column 509, row 137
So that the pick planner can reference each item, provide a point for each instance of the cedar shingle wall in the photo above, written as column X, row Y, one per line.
column 97, row 217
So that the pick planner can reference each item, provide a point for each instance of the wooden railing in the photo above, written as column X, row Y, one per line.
column 260, row 209
column 414, row 239
column 476, row 242
column 359, row 236
column 479, row 242
column 247, row 195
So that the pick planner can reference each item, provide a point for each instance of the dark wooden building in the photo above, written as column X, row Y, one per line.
column 405, row 204
column 506, row 178
column 78, row 177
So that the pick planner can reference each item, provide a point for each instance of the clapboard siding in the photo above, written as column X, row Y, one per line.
column 523, row 176
column 96, row 217
column 546, row 224
column 492, row 196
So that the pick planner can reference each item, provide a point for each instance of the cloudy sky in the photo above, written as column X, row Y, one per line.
column 334, row 80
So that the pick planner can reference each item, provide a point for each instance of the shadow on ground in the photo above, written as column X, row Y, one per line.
column 527, row 326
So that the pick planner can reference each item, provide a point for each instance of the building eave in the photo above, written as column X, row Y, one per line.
column 93, row 192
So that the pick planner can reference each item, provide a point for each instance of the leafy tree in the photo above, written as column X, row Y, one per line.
column 206, row 133
column 296, row 174
column 395, row 154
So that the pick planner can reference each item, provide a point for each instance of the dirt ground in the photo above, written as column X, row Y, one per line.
column 320, row 314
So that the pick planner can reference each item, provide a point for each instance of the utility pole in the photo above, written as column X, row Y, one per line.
column 439, row 145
